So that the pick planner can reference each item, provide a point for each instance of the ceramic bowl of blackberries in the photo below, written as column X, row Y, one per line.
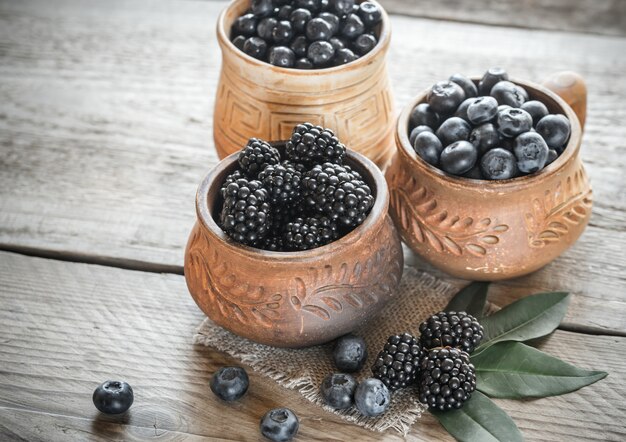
column 487, row 182
column 293, row 245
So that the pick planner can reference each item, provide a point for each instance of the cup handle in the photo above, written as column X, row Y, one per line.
column 571, row 87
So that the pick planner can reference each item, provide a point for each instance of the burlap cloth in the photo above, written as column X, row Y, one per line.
column 420, row 295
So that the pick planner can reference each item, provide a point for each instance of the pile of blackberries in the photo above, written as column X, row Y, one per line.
column 307, row 34
column 492, row 130
column 305, row 200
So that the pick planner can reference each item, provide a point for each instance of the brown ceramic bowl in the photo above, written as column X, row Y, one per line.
column 293, row 299
column 493, row 230
column 256, row 99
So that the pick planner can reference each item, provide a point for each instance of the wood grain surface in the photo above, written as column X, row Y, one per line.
column 66, row 327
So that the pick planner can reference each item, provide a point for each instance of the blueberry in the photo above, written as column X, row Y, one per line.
column 364, row 43
column 343, row 56
column 284, row 13
column 238, row 41
column 113, row 397
column 552, row 155
column 418, row 130
column 458, row 158
column 509, row 93
column 445, row 97
column 555, row 129
column 320, row 53
column 245, row 25
column 299, row 46
column 484, row 138
column 531, row 151
column 331, row 19
column 512, row 122
column 372, row 397
column 282, row 33
column 255, row 47
column 261, row 8
column 461, row 111
column 265, row 28
column 453, row 129
column 503, row 106
column 483, row 109
column 474, row 173
column 311, row 5
column 299, row 19
column 423, row 114
column 466, row 84
column 303, row 63
column 370, row 14
column 230, row 383
column 350, row 353
column 280, row 425
column 489, row 80
column 428, row 147
column 281, row 56
column 498, row 164
column 338, row 390
column 338, row 43
column 536, row 109
column 341, row 7
column 352, row 26
column 318, row 29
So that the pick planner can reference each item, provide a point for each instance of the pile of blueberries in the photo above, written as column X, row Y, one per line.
column 307, row 34
column 491, row 131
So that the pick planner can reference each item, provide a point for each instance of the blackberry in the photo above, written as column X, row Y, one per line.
column 451, row 329
column 312, row 145
column 282, row 181
column 246, row 214
column 337, row 192
column 273, row 243
column 398, row 363
column 447, row 378
column 256, row 155
column 232, row 178
column 309, row 233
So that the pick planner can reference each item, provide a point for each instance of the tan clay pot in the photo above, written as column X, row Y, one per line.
column 256, row 99
column 293, row 299
column 493, row 230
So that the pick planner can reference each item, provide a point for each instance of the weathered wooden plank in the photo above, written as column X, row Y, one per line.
column 65, row 327
column 105, row 132
column 597, row 16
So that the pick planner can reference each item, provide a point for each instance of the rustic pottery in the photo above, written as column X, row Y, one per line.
column 293, row 299
column 493, row 230
column 256, row 99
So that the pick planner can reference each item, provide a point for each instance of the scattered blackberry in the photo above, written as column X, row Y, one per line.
column 337, row 192
column 309, row 233
column 312, row 145
column 282, row 181
column 256, row 155
column 447, row 378
column 451, row 329
column 398, row 363
column 245, row 214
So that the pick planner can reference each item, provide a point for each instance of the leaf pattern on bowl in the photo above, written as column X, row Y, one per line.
column 566, row 206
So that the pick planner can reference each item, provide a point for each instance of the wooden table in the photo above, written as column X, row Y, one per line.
column 105, row 132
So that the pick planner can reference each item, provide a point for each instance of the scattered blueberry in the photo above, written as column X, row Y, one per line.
column 352, row 26
column 281, row 56
column 466, row 84
column 453, row 129
column 509, row 93
column 338, row 390
column 424, row 115
column 372, row 397
column 536, row 109
column 113, row 397
column 418, row 130
column 350, row 353
column 280, row 425
column 428, row 147
column 512, row 122
column 484, row 138
column 445, row 97
column 364, row 43
column 370, row 14
column 320, row 53
column 555, row 129
column 230, row 383
column 498, row 164
column 531, row 151
column 458, row 157
column 489, row 80
column 483, row 109
column 255, row 47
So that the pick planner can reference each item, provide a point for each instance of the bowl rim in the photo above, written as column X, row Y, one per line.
column 382, row 45
column 368, row 170
column 534, row 89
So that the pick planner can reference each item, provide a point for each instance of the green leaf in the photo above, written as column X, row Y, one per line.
column 479, row 420
column 528, row 318
column 514, row 370
column 470, row 299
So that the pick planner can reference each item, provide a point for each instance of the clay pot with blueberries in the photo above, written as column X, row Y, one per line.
column 293, row 298
column 257, row 99
column 494, row 229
